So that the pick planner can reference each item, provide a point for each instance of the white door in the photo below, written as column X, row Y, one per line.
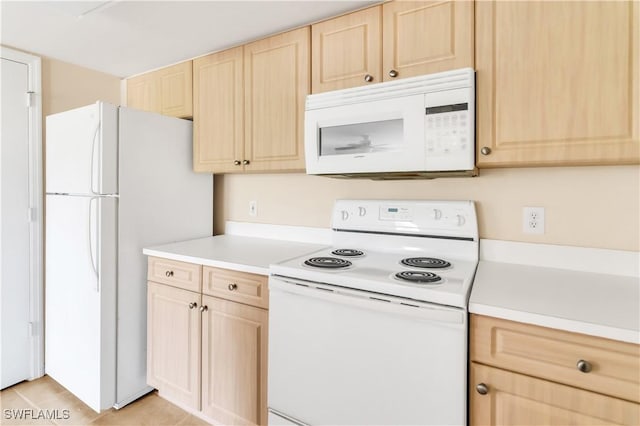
column 80, row 296
column 82, row 149
column 14, row 226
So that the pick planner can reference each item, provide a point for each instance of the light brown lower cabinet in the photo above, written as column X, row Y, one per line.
column 205, row 353
column 523, row 374
column 234, row 360
column 173, row 343
column 516, row 399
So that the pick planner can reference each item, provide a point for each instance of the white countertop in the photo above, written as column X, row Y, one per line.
column 246, row 254
column 584, row 302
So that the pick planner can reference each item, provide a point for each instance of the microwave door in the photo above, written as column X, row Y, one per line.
column 380, row 136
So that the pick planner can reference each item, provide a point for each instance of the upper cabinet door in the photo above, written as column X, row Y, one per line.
column 277, row 81
column 143, row 93
column 347, row 51
column 167, row 91
column 557, row 83
column 424, row 37
column 218, row 124
column 176, row 90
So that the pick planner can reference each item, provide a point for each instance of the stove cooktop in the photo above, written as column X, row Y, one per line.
column 426, row 278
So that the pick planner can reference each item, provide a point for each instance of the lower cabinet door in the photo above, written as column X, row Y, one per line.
column 234, row 362
column 500, row 397
column 173, row 343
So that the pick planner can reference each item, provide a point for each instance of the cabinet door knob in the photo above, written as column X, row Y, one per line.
column 368, row 78
column 482, row 388
column 204, row 308
column 232, row 287
column 236, row 163
column 193, row 305
column 485, row 150
column 393, row 73
column 169, row 274
column 584, row 366
column 245, row 162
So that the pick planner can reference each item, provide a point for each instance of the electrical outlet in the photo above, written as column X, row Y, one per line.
column 533, row 220
column 253, row 208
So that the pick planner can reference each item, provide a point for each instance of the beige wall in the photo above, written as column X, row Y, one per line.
column 66, row 86
column 584, row 206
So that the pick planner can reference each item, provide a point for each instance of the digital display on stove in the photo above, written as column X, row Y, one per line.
column 395, row 213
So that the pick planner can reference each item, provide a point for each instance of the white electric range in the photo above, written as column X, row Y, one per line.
column 374, row 329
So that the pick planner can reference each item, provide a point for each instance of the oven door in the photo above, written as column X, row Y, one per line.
column 342, row 356
column 375, row 136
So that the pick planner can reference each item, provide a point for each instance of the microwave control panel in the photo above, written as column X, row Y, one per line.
column 450, row 129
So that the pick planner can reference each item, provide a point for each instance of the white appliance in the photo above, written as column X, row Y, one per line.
column 117, row 180
column 374, row 329
column 415, row 127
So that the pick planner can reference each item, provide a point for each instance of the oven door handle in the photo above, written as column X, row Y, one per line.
column 371, row 301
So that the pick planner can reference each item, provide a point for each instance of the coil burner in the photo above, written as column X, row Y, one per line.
column 418, row 277
column 327, row 262
column 425, row 262
column 348, row 252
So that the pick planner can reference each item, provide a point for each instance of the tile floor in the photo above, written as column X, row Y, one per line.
column 29, row 398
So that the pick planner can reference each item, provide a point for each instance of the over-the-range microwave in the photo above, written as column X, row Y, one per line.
column 415, row 127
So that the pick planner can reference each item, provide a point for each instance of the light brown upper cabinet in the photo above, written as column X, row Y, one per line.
column 249, row 106
column 396, row 40
column 218, row 112
column 347, row 51
column 142, row 92
column 167, row 91
column 276, row 83
column 557, row 83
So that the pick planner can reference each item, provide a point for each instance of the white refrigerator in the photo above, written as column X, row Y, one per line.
column 117, row 180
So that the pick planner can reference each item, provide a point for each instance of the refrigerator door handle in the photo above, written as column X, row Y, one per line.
column 93, row 156
column 92, row 258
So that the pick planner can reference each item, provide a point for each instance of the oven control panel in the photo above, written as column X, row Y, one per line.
column 427, row 218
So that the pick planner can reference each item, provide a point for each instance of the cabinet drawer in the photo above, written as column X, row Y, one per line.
column 237, row 286
column 555, row 355
column 178, row 274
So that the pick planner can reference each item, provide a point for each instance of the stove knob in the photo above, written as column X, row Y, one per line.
column 362, row 211
column 345, row 215
column 436, row 214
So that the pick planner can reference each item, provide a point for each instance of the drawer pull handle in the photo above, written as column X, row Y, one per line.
column 232, row 287
column 482, row 389
column 169, row 274
column 584, row 366
column 204, row 308
column 368, row 78
column 193, row 305
column 393, row 73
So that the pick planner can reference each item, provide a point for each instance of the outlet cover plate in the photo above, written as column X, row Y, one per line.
column 533, row 220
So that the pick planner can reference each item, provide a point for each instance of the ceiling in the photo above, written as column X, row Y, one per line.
column 124, row 38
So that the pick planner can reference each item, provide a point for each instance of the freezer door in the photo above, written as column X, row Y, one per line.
column 80, row 300
column 82, row 150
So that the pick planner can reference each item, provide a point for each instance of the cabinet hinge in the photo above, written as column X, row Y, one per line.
column 31, row 99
